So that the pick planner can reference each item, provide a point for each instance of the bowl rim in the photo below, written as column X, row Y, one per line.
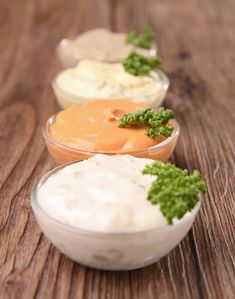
column 38, row 209
column 48, row 138
column 163, row 78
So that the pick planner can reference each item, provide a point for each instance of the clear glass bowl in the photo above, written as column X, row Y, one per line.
column 153, row 99
column 63, row 154
column 110, row 251
column 71, row 59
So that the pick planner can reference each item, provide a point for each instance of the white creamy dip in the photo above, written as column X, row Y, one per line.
column 106, row 196
column 99, row 80
column 103, row 193
column 97, row 44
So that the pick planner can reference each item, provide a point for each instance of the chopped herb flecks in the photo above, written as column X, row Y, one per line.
column 157, row 121
column 143, row 39
column 137, row 64
column 175, row 190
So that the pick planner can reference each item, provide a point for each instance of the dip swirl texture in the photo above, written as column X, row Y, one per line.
column 100, row 44
column 103, row 193
column 94, row 126
column 94, row 79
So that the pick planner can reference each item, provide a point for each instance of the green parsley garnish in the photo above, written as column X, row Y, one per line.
column 175, row 190
column 155, row 120
column 137, row 64
column 143, row 39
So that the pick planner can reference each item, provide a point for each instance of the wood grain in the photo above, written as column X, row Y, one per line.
column 197, row 41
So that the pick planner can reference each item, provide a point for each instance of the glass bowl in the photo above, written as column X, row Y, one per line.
column 153, row 99
column 110, row 250
column 68, row 60
column 63, row 154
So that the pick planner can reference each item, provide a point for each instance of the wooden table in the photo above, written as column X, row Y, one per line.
column 197, row 42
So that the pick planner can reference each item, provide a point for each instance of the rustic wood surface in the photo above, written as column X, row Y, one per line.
column 197, row 41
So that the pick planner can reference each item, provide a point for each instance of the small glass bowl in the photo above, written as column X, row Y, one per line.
column 63, row 154
column 110, row 250
column 71, row 59
column 153, row 99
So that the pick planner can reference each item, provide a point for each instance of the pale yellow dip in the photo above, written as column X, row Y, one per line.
column 99, row 80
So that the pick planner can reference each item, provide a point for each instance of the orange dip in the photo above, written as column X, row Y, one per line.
column 94, row 127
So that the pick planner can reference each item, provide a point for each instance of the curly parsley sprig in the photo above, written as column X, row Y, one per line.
column 157, row 121
column 175, row 190
column 143, row 39
column 137, row 64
